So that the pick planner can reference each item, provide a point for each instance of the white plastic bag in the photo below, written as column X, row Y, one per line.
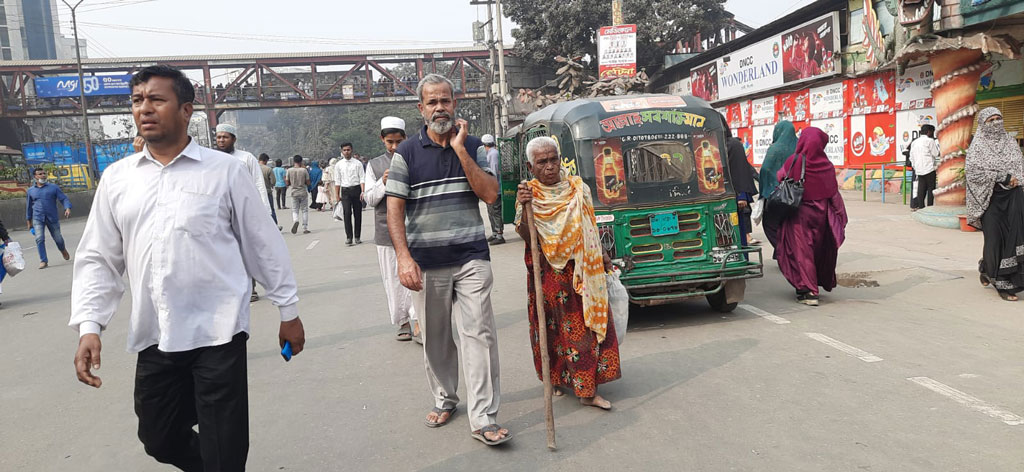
column 338, row 212
column 618, row 305
column 757, row 211
column 14, row 259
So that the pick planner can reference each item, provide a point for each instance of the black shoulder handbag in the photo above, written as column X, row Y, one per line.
column 785, row 200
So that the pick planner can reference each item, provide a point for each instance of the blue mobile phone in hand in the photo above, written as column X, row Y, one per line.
column 286, row 351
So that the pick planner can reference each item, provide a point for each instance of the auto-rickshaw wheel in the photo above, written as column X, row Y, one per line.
column 718, row 302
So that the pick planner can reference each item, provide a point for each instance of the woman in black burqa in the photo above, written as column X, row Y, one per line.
column 995, row 203
column 743, row 176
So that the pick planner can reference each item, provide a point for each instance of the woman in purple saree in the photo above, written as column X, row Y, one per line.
column 809, row 240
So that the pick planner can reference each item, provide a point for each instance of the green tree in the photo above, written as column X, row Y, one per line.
column 549, row 29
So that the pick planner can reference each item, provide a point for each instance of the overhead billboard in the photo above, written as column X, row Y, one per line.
column 806, row 52
column 704, row 81
column 95, row 85
column 616, row 51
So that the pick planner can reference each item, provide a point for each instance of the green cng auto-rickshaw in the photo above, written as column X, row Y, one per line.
column 662, row 191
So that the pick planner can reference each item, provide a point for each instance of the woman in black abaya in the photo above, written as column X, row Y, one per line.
column 995, row 203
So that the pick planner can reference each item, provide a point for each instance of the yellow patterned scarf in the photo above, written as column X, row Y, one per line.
column 567, row 230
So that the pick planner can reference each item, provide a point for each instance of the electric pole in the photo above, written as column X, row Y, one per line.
column 495, row 106
column 502, row 83
column 499, row 103
column 81, row 93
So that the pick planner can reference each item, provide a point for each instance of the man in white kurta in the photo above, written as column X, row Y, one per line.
column 399, row 298
column 226, row 136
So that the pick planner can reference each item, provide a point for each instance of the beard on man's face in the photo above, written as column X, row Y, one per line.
column 440, row 122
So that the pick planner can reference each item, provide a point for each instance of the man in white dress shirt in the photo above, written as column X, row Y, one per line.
column 924, row 153
column 348, row 183
column 392, row 133
column 187, row 227
column 225, row 138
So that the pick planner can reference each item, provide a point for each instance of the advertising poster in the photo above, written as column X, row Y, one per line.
column 827, row 101
column 751, row 69
column 1002, row 74
column 871, row 94
column 739, row 115
column 809, row 50
column 872, row 138
column 908, row 125
column 762, row 111
column 680, row 87
column 836, row 147
column 762, row 139
column 710, row 173
column 792, row 106
column 616, row 51
column 704, row 81
column 913, row 88
column 747, row 136
column 94, row 85
column 609, row 171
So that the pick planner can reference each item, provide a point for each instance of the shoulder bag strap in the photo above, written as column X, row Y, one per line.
column 803, row 167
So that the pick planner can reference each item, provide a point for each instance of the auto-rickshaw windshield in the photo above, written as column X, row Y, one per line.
column 639, row 170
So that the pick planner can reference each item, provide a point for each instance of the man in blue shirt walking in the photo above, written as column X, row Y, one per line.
column 41, row 213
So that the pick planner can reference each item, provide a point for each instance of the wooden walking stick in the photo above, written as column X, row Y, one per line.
column 542, row 326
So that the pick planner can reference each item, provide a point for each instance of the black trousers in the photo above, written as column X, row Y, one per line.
column 312, row 198
column 352, row 208
column 925, row 186
column 281, row 205
column 273, row 212
column 175, row 391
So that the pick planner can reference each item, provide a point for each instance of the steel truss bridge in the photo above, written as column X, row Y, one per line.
column 254, row 81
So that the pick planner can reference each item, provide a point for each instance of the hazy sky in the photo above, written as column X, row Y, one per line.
column 178, row 27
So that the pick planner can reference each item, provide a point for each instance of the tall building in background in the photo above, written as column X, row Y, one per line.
column 30, row 30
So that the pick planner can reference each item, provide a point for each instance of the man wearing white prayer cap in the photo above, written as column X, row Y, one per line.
column 226, row 136
column 392, row 133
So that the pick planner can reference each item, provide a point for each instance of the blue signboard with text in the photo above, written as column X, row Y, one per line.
column 95, row 85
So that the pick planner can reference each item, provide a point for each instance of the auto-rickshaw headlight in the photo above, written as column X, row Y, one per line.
column 725, row 239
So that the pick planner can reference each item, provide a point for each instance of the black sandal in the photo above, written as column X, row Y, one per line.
column 985, row 282
column 491, row 428
column 1007, row 296
column 439, row 412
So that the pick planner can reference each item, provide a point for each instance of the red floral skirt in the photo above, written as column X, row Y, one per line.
column 578, row 362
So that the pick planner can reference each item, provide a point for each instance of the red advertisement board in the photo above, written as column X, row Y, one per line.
column 747, row 136
column 704, row 82
column 794, row 106
column 874, row 93
column 871, row 138
column 738, row 114
column 616, row 51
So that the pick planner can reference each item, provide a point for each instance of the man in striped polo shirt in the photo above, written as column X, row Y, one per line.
column 435, row 184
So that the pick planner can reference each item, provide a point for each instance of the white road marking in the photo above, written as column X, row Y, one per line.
column 313, row 244
column 764, row 314
column 862, row 355
column 967, row 400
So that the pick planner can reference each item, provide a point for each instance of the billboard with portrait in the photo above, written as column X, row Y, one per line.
column 809, row 51
column 704, row 81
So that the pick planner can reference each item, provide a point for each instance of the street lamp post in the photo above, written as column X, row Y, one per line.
column 81, row 93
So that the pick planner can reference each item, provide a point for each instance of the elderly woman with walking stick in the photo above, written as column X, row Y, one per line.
column 581, row 341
